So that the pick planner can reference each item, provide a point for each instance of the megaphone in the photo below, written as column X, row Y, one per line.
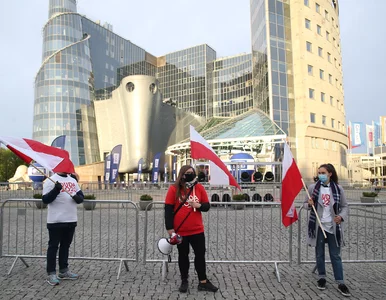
column 164, row 246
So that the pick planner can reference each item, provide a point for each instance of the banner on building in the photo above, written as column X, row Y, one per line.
column 370, row 138
column 115, row 161
column 155, row 171
column 59, row 142
column 383, row 130
column 356, row 134
column 166, row 172
column 377, row 134
column 107, row 168
column 174, row 168
column 139, row 173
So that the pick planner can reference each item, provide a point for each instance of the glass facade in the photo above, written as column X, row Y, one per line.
column 183, row 78
column 271, row 49
column 230, row 85
column 64, row 86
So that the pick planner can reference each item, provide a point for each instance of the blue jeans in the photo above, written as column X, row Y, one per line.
column 335, row 258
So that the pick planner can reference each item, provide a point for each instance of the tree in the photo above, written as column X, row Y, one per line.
column 8, row 164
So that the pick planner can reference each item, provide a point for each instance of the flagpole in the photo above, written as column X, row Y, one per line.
column 313, row 207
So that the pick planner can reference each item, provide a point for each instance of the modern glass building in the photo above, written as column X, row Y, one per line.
column 297, row 77
column 183, row 78
column 293, row 76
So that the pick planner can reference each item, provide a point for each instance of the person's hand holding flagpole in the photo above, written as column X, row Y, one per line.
column 53, row 159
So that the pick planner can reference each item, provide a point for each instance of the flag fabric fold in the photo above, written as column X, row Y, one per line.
column 200, row 149
column 292, row 184
column 52, row 158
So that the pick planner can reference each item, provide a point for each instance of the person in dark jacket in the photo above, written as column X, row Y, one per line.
column 187, row 223
column 62, row 194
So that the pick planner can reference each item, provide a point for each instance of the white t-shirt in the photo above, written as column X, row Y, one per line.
column 326, row 201
column 63, row 209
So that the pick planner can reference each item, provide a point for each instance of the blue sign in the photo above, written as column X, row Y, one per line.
column 377, row 134
column 174, row 168
column 115, row 161
column 59, row 142
column 155, row 172
column 107, row 168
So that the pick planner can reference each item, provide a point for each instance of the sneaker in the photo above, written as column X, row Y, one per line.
column 321, row 284
column 53, row 279
column 207, row 286
column 184, row 286
column 68, row 275
column 344, row 290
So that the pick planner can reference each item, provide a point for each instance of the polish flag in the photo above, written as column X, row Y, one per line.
column 52, row 158
column 292, row 184
column 200, row 149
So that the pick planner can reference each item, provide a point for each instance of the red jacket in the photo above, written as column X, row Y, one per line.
column 193, row 224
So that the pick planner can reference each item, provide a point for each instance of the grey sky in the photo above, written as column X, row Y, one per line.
column 161, row 27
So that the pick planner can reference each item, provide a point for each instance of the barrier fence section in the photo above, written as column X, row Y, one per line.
column 236, row 232
column 363, row 230
column 108, row 231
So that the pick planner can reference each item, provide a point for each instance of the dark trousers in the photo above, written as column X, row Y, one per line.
column 335, row 258
column 198, row 244
column 59, row 236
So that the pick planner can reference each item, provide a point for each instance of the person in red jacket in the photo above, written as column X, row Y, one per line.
column 187, row 221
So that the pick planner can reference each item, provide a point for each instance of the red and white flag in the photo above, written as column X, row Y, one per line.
column 52, row 158
column 292, row 184
column 200, row 149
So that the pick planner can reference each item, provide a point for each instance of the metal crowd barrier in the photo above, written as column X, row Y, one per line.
column 364, row 232
column 109, row 232
column 236, row 232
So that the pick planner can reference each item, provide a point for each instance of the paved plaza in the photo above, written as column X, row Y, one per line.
column 98, row 281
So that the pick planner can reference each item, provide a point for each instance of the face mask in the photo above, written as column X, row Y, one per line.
column 189, row 177
column 323, row 177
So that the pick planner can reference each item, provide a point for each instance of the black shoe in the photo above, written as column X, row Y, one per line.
column 184, row 286
column 207, row 286
column 344, row 290
column 321, row 284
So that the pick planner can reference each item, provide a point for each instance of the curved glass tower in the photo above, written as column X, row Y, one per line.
column 64, row 85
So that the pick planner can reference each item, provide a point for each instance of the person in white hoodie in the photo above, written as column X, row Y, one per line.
column 331, row 205
column 62, row 195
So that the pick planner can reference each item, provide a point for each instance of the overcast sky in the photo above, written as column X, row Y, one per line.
column 161, row 27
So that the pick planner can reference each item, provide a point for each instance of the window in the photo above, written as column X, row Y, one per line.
column 324, row 120
column 309, row 46
column 312, row 117
column 306, row 2
column 323, row 97
column 321, row 74
column 333, row 41
column 332, row 101
column 333, row 123
column 338, row 104
column 335, row 61
column 326, row 14
column 319, row 29
column 338, row 125
column 327, row 36
column 308, row 24
column 310, row 70
column 330, row 78
column 320, row 52
column 329, row 57
column 317, row 7
column 311, row 93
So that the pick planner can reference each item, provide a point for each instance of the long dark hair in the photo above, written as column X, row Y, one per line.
column 180, row 183
column 331, row 169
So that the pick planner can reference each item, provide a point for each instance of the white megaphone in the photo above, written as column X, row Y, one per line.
column 164, row 246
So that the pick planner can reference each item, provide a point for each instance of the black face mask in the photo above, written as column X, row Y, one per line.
column 189, row 177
